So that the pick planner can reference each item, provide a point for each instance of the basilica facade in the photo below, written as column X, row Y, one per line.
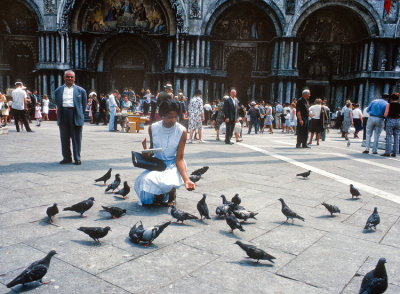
column 268, row 49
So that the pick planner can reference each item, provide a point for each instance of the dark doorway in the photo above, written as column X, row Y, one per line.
column 239, row 67
column 317, row 91
column 128, row 78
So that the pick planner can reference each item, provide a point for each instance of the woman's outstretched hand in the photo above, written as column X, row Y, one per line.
column 189, row 185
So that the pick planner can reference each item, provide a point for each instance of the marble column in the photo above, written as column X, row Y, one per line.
column 296, row 55
column 45, row 90
column 365, row 59
column 282, row 56
column 192, row 87
column 208, row 54
column 360, row 93
column 177, row 51
column 293, row 90
column 222, row 89
column 182, row 47
column 371, row 95
column 39, row 79
column 386, row 88
column 58, row 51
column 198, row 51
column 288, row 90
column 177, row 83
column 203, row 53
column 60, row 80
column 67, row 49
column 62, row 45
column 192, row 51
column 52, row 85
column 185, row 87
column 201, row 86
column 47, row 48
column 280, row 91
column 366, row 95
column 371, row 55
column 8, row 81
column 52, row 41
column 275, row 56
column 290, row 65
column 253, row 91
column 2, row 84
column 206, row 91
column 93, row 84
column 272, row 92
column 187, row 56
column 77, row 53
column 42, row 49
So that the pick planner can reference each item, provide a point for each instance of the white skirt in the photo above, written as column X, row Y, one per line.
column 151, row 183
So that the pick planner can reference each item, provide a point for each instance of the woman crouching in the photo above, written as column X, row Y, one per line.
column 159, row 188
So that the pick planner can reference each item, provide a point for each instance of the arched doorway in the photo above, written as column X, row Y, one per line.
column 332, row 39
column 18, row 44
column 241, row 49
column 239, row 67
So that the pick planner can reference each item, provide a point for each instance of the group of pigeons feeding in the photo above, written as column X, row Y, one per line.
column 375, row 281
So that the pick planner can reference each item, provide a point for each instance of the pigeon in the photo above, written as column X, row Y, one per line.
column 203, row 208
column 222, row 210
column 236, row 199
column 244, row 214
column 104, row 178
column 95, row 232
column 304, row 175
column 373, row 220
column 348, row 143
column 354, row 191
column 115, row 212
column 288, row 212
column 35, row 272
column 255, row 253
column 124, row 191
column 181, row 215
column 224, row 201
column 114, row 185
column 331, row 208
column 51, row 212
column 200, row 171
column 82, row 206
column 138, row 234
column 233, row 222
column 375, row 281
column 195, row 178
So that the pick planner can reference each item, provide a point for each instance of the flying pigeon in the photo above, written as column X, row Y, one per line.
column 35, row 272
column 354, row 191
column 288, row 212
column 124, row 191
column 200, row 171
column 255, row 253
column 115, row 212
column 244, row 214
column 138, row 234
column 95, row 232
column 233, row 222
column 304, row 175
column 331, row 208
column 203, row 208
column 51, row 212
column 181, row 215
column 195, row 178
column 114, row 185
column 222, row 210
column 375, row 281
column 104, row 178
column 373, row 220
column 82, row 206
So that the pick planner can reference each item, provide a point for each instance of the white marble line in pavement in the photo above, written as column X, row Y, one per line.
column 356, row 159
column 340, row 179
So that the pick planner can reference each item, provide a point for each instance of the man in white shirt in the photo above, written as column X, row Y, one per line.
column 71, row 101
column 19, row 106
column 113, row 106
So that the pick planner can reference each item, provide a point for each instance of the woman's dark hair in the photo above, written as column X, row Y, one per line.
column 167, row 106
column 197, row 92
column 395, row 96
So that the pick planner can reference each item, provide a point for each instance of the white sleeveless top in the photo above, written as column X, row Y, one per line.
column 167, row 139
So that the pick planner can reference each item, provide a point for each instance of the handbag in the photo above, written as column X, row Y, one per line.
column 149, row 163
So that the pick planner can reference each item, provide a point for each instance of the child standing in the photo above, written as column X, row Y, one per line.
column 38, row 114
column 287, row 122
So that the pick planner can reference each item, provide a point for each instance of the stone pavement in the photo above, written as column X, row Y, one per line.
column 322, row 255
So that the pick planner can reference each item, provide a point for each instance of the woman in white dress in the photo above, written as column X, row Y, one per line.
column 196, row 115
column 46, row 103
column 155, row 187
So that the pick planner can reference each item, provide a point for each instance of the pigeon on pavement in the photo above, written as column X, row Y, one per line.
column 331, row 208
column 236, row 200
column 354, row 192
column 304, row 175
column 124, row 191
column 82, row 206
column 95, row 232
column 203, row 208
column 200, row 171
column 222, row 210
column 104, row 178
column 224, row 201
column 254, row 252
column 375, row 281
column 233, row 222
column 35, row 272
column 373, row 220
column 138, row 234
column 288, row 212
column 114, row 185
column 51, row 212
column 244, row 214
column 181, row 215
column 115, row 212
column 195, row 178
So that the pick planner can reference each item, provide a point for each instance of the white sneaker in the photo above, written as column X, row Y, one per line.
column 201, row 141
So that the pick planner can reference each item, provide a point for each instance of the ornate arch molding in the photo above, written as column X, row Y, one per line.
column 182, row 22
column 64, row 15
column 365, row 10
column 31, row 5
column 220, row 6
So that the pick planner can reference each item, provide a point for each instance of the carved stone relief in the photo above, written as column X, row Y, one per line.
column 50, row 7
column 392, row 17
column 290, row 7
column 195, row 8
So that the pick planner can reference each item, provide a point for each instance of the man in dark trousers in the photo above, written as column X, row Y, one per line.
column 102, row 110
column 71, row 101
column 302, row 119
column 231, row 114
column 20, row 106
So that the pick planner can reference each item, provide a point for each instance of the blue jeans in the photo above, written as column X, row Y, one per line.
column 374, row 124
column 255, row 124
column 392, row 129
column 113, row 111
